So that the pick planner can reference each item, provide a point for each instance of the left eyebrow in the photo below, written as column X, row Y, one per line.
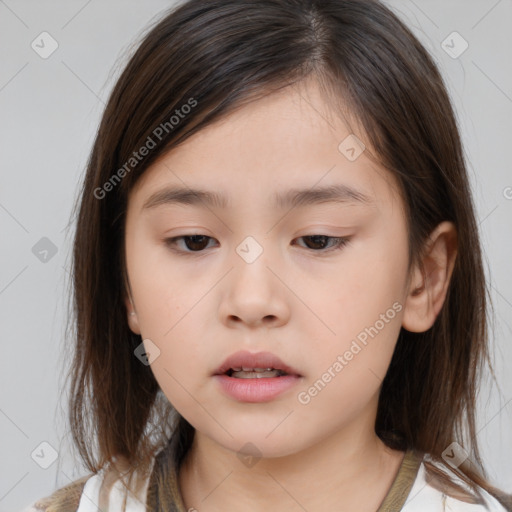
column 290, row 199
column 339, row 193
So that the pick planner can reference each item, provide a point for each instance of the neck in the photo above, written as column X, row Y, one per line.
column 350, row 470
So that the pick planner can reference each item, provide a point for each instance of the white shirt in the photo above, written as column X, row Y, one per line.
column 424, row 498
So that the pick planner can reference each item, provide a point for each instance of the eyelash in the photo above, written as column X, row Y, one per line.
column 340, row 243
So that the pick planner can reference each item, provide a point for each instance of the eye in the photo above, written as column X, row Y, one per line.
column 319, row 242
column 196, row 243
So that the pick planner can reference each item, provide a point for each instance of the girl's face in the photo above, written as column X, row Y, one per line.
column 267, row 275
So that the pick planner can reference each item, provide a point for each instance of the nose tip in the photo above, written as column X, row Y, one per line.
column 254, row 295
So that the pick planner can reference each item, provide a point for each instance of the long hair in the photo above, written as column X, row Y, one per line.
column 199, row 63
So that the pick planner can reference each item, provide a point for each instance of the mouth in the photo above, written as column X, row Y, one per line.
column 255, row 377
column 254, row 373
column 248, row 365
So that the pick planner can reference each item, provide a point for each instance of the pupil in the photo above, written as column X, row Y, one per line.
column 316, row 238
column 194, row 238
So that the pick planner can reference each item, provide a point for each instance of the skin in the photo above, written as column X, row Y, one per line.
column 300, row 302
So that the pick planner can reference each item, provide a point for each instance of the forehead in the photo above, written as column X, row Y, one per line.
column 272, row 147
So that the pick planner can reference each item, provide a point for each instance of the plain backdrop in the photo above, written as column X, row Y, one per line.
column 50, row 109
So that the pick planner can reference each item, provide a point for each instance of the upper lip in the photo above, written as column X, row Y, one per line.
column 246, row 359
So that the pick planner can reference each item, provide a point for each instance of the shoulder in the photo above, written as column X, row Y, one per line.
column 438, row 488
column 105, row 490
column 66, row 498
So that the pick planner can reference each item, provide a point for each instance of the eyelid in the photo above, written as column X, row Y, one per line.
column 339, row 243
column 171, row 242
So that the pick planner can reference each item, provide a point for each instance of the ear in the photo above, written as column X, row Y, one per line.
column 133, row 321
column 429, row 280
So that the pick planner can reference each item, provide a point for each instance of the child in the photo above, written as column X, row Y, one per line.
column 273, row 308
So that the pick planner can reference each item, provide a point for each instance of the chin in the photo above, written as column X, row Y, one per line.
column 258, row 444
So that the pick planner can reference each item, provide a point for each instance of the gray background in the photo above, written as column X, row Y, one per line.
column 50, row 109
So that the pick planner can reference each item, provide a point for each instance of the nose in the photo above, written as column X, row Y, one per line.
column 254, row 295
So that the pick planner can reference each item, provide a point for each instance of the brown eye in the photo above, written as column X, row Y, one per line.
column 320, row 242
column 193, row 243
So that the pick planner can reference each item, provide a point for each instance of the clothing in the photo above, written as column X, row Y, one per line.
column 411, row 491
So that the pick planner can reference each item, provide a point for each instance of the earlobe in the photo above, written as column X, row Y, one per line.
column 430, row 280
column 133, row 321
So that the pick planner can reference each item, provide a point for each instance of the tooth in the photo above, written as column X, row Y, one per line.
column 256, row 375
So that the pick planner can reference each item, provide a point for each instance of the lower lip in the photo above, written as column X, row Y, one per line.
column 256, row 390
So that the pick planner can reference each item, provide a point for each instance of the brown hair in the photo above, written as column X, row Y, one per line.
column 215, row 56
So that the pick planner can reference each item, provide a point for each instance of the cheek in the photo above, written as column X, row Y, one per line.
column 368, row 282
column 168, row 304
column 180, row 342
column 349, row 368
column 163, row 292
column 364, row 314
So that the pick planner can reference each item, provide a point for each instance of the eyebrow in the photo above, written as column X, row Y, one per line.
column 292, row 198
